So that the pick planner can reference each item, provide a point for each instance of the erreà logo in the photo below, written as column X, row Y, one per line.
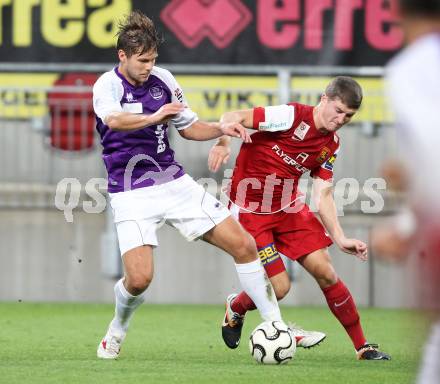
column 218, row 20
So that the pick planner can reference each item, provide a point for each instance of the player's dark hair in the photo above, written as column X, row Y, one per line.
column 420, row 7
column 137, row 34
column 347, row 90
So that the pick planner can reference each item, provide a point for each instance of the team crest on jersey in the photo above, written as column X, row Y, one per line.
column 129, row 97
column 323, row 155
column 156, row 93
column 300, row 131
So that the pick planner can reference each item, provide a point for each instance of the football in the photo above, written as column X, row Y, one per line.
column 271, row 343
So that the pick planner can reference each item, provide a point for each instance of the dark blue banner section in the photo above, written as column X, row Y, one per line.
column 284, row 32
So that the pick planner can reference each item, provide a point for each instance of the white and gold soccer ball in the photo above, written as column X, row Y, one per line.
column 271, row 342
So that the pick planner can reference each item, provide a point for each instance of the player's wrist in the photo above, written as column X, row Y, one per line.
column 152, row 119
column 223, row 141
column 340, row 240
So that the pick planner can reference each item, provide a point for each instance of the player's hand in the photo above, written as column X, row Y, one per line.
column 354, row 247
column 218, row 155
column 166, row 112
column 236, row 130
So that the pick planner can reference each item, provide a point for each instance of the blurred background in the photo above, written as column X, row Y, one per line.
column 226, row 54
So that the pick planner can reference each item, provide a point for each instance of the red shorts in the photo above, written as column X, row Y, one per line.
column 292, row 234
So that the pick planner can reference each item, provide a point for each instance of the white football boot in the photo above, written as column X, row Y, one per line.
column 110, row 346
column 306, row 339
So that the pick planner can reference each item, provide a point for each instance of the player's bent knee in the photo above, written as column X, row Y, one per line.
column 327, row 281
column 138, row 283
column 246, row 250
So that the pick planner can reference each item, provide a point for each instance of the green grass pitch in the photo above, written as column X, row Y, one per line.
column 56, row 343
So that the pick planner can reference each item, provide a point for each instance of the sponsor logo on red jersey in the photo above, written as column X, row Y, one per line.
column 288, row 160
column 301, row 131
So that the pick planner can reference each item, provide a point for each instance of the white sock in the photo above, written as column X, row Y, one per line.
column 126, row 304
column 257, row 285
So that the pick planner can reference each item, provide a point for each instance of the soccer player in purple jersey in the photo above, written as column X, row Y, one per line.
column 135, row 104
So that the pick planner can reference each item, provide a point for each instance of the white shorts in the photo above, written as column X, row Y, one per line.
column 181, row 203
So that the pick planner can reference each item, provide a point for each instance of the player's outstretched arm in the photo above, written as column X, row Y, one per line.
column 127, row 121
column 202, row 131
column 243, row 117
column 268, row 119
column 323, row 198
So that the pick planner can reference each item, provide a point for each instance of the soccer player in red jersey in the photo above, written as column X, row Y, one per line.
column 291, row 140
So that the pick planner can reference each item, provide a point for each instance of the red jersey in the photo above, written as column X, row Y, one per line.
column 267, row 171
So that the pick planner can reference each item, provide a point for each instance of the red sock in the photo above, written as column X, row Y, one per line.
column 342, row 305
column 242, row 303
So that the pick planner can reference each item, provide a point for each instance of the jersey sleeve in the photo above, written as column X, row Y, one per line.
column 274, row 118
column 187, row 117
column 325, row 171
column 107, row 95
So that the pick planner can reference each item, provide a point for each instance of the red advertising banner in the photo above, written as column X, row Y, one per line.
column 284, row 32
